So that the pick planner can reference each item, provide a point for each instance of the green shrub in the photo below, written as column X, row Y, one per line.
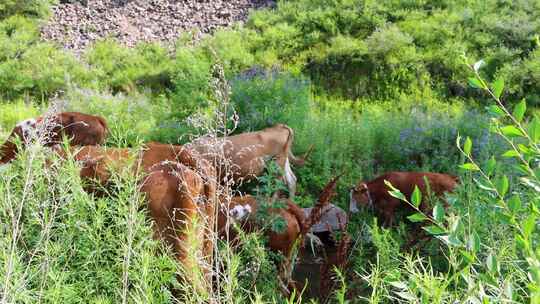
column 31, row 8
column 118, row 68
column 31, row 67
column 12, row 113
column 190, row 76
column 264, row 98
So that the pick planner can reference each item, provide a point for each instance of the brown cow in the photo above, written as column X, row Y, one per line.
column 98, row 163
column 375, row 192
column 243, row 156
column 242, row 210
column 81, row 129
column 178, row 197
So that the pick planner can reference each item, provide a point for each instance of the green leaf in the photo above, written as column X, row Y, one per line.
column 511, row 131
column 475, row 83
column 399, row 285
column 514, row 203
column 511, row 153
column 491, row 263
column 519, row 110
column 417, row 217
column 470, row 167
column 416, row 197
column 434, row 230
column 474, row 242
column 534, row 130
column 521, row 243
column 496, row 111
column 498, row 87
column 395, row 192
column 438, row 213
column 467, row 146
column 469, row 257
column 524, row 149
column 529, row 225
column 502, row 185
column 490, row 165
column 407, row 296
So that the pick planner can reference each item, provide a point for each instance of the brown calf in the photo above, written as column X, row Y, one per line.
column 375, row 194
column 242, row 210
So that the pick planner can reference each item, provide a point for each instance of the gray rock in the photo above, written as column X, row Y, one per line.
column 134, row 21
column 333, row 219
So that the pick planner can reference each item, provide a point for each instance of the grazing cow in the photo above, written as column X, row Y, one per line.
column 99, row 162
column 154, row 152
column 375, row 192
column 242, row 210
column 243, row 156
column 81, row 130
column 178, row 198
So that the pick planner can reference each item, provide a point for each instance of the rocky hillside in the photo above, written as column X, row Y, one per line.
column 76, row 24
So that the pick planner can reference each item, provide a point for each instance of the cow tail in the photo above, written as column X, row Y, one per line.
column 288, row 147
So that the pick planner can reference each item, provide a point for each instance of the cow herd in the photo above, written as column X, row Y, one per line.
column 181, row 183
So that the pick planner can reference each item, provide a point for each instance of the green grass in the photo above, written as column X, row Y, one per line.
column 375, row 87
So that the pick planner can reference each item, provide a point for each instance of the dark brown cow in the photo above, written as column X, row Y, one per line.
column 81, row 130
column 243, row 156
column 375, row 192
column 178, row 198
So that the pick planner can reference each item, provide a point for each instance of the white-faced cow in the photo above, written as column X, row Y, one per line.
column 80, row 129
column 242, row 210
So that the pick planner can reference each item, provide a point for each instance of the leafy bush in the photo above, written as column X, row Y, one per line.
column 31, row 67
column 12, row 113
column 31, row 8
column 190, row 77
column 264, row 98
column 397, row 47
column 118, row 68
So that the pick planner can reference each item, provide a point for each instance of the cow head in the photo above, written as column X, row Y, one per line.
column 360, row 195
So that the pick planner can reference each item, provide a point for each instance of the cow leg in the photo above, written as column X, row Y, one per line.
column 388, row 215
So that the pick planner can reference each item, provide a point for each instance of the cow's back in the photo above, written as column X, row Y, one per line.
column 81, row 129
column 439, row 183
column 154, row 153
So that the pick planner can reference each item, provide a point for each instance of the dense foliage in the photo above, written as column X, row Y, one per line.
column 375, row 86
